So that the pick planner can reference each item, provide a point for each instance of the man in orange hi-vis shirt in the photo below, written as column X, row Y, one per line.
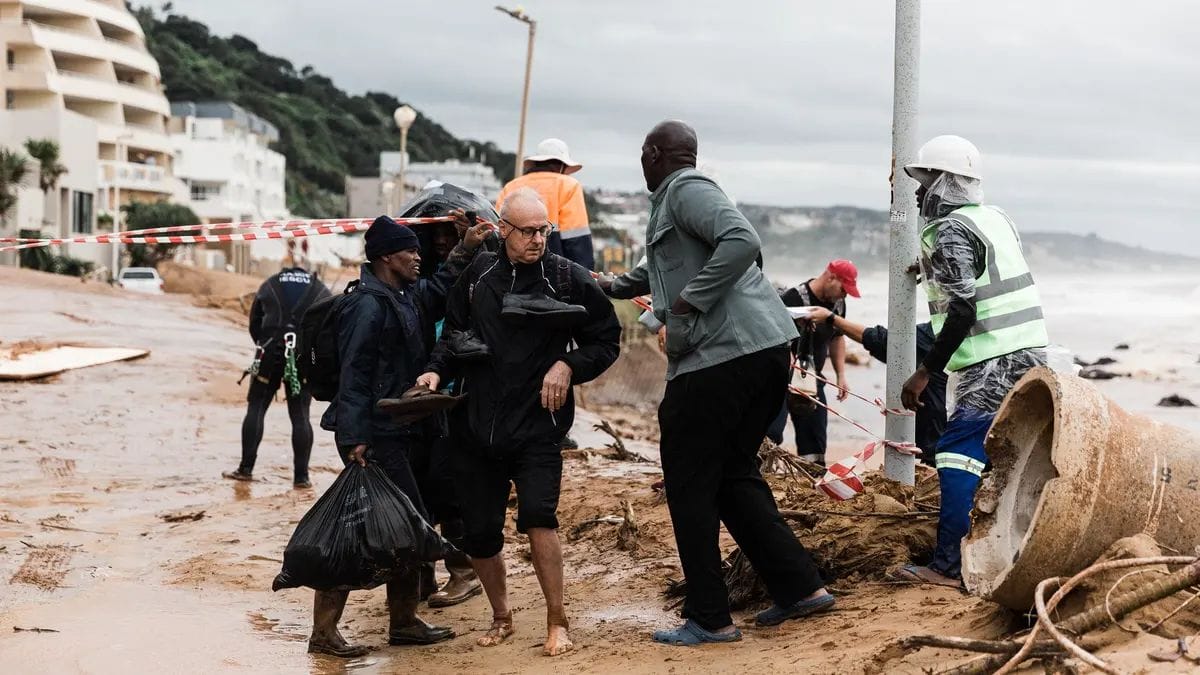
column 548, row 171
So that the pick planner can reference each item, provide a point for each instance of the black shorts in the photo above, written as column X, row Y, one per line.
column 484, row 483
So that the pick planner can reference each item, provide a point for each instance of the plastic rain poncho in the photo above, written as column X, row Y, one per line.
column 957, row 259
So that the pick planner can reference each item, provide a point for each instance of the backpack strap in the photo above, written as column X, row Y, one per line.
column 564, row 279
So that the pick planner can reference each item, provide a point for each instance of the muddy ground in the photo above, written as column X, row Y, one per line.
column 93, row 462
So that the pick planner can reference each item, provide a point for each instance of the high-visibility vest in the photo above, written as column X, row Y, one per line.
column 1008, row 309
column 563, row 197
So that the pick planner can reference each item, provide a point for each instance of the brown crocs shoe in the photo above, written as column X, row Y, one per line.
column 417, row 403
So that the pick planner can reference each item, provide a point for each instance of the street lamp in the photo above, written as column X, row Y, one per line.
column 404, row 116
column 520, row 15
column 116, row 207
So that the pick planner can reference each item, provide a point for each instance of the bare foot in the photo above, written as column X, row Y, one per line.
column 502, row 628
column 557, row 641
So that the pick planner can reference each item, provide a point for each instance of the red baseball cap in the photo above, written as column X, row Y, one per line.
column 847, row 273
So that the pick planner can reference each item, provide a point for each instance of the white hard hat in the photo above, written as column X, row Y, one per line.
column 953, row 154
column 553, row 149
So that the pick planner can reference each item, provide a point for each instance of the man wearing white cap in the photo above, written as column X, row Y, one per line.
column 548, row 171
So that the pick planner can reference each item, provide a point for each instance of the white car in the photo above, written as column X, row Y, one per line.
column 141, row 280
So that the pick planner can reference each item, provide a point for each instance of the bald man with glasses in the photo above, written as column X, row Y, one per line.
column 525, row 305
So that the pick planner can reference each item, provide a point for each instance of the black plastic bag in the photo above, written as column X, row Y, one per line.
column 358, row 535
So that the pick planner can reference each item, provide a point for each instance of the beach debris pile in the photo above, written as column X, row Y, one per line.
column 856, row 540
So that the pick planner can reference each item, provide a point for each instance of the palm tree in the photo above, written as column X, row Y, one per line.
column 13, row 168
column 45, row 151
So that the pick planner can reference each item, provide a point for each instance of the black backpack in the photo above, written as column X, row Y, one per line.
column 317, row 347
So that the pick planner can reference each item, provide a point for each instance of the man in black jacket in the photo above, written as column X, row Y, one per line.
column 526, row 305
column 385, row 332
column 274, row 321
column 931, row 416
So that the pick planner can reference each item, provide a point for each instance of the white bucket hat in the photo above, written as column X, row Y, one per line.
column 553, row 149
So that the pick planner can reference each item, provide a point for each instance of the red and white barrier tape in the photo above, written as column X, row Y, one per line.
column 313, row 227
column 877, row 402
column 840, row 480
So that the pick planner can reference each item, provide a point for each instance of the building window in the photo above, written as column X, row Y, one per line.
column 81, row 212
column 202, row 192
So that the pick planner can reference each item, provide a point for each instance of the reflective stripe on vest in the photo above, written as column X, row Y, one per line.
column 953, row 460
column 1007, row 305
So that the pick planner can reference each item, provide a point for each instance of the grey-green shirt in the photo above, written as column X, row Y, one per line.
column 701, row 248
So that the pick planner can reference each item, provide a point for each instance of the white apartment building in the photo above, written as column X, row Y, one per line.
column 223, row 158
column 222, row 155
column 471, row 176
column 86, row 60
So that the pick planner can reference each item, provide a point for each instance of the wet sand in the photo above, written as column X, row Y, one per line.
column 92, row 459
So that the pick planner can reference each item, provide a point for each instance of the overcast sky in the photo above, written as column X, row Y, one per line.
column 1087, row 112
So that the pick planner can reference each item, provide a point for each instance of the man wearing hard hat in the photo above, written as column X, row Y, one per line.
column 987, row 314
column 548, row 171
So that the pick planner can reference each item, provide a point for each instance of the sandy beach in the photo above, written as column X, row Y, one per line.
column 117, row 533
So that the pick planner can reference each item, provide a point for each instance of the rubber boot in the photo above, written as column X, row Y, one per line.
column 326, row 639
column 405, row 627
column 428, row 581
column 463, row 584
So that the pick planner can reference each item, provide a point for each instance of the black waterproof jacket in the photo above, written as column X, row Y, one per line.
column 503, row 410
column 384, row 338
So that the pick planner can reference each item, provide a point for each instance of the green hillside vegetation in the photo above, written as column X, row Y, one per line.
column 325, row 133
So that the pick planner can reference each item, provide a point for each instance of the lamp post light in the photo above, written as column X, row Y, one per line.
column 404, row 116
column 387, row 187
column 520, row 15
column 116, row 208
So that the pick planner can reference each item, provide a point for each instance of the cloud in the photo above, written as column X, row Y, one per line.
column 1085, row 111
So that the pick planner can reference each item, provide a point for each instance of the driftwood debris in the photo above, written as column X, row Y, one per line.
column 627, row 535
column 618, row 444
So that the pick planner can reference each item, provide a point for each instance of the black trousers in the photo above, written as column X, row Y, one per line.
column 713, row 422
column 430, row 462
column 258, row 399
column 811, row 428
column 391, row 454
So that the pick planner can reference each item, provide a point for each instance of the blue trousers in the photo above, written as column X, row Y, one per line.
column 960, row 461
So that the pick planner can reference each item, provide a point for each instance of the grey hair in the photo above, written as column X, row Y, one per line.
column 520, row 196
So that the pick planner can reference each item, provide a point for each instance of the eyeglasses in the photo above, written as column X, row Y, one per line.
column 529, row 232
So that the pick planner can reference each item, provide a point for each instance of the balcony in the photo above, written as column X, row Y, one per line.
column 97, row 88
column 100, row 11
column 93, row 46
column 133, row 176
column 135, row 136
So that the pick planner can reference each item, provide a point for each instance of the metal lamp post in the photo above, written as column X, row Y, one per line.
column 902, row 288
column 116, row 209
column 520, row 15
column 404, row 116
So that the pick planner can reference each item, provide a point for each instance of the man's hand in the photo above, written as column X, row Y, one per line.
column 473, row 238
column 681, row 307
column 356, row 455
column 555, row 386
column 605, row 282
column 431, row 380
column 819, row 315
column 662, row 339
column 843, row 387
column 910, row 396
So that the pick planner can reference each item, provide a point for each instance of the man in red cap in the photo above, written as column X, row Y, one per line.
column 817, row 343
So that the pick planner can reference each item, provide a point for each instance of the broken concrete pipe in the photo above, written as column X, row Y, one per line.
column 1072, row 472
